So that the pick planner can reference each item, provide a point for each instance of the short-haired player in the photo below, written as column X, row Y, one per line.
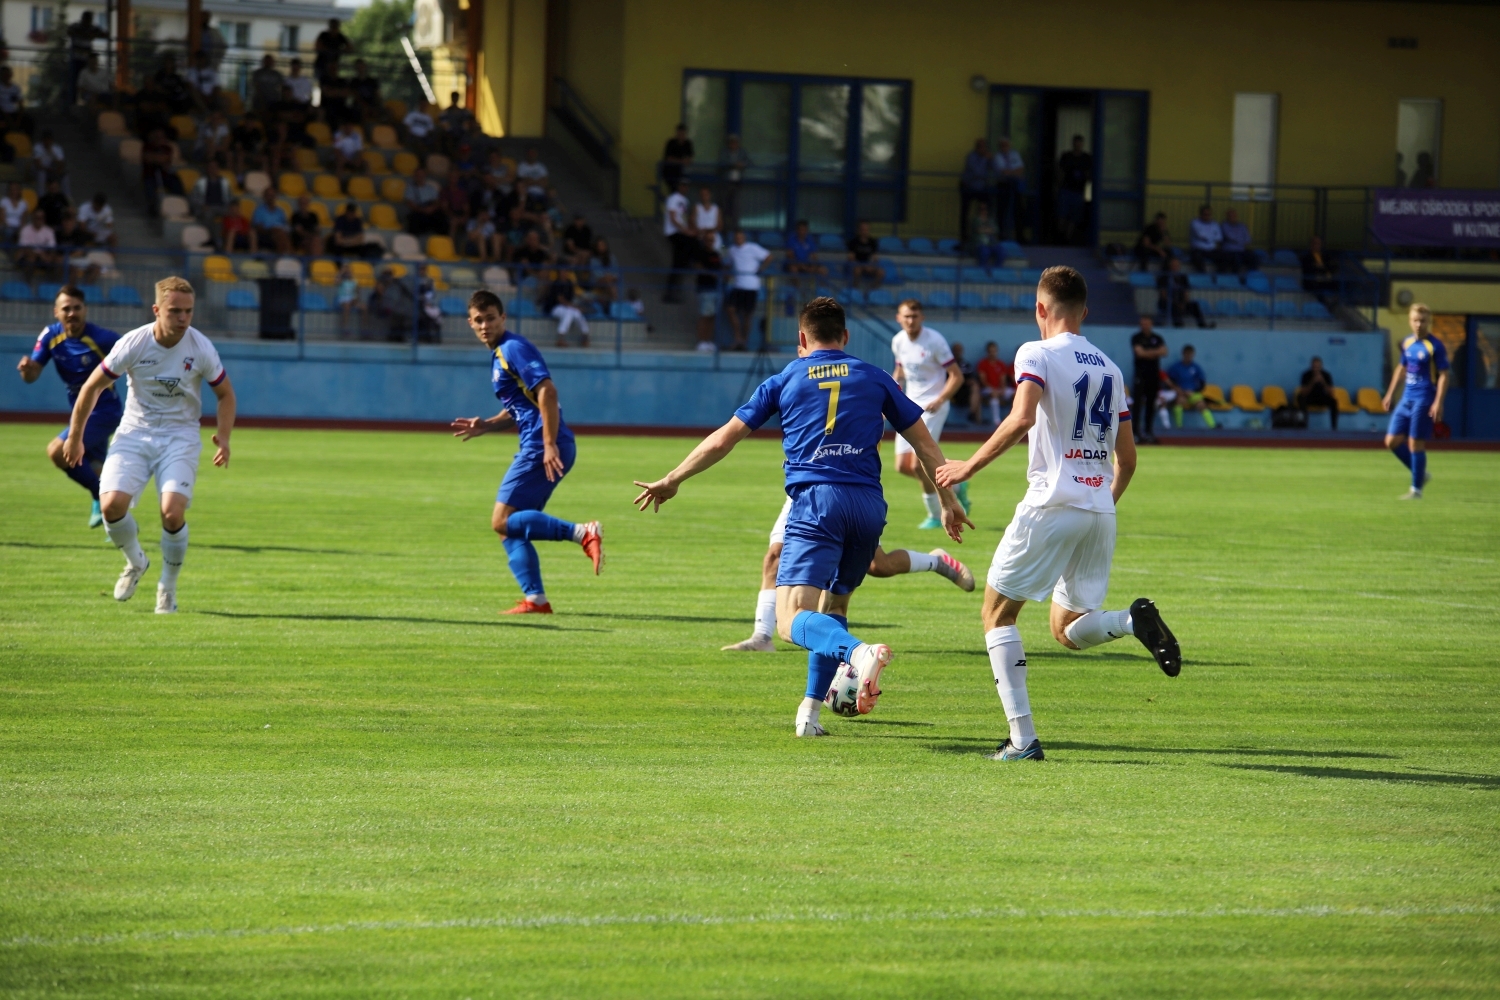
column 833, row 409
column 1424, row 370
column 926, row 369
column 524, row 386
column 1070, row 397
column 168, row 362
column 76, row 347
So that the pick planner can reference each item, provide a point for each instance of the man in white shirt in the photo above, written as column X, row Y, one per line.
column 926, row 370
column 1204, row 240
column 94, row 82
column 679, row 232
column 706, row 218
column 99, row 219
column 533, row 174
column 347, row 146
column 15, row 210
column 302, row 86
column 419, row 124
column 51, row 162
column 1070, row 397
column 38, row 244
column 168, row 362
column 746, row 260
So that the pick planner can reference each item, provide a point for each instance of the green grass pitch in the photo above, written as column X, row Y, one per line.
column 337, row 773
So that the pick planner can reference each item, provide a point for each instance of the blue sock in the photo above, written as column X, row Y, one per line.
column 525, row 565
column 1418, row 469
column 534, row 526
column 84, row 475
column 821, row 667
column 824, row 634
column 1403, row 454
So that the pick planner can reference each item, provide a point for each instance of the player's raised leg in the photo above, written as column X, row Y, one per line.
column 901, row 561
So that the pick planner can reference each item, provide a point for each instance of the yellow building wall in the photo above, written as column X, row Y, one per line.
column 593, row 56
column 512, row 68
column 1339, row 81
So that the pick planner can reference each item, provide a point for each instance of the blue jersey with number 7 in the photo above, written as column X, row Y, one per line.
column 833, row 410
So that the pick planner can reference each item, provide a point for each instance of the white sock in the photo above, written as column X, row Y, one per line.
column 1008, row 664
column 126, row 537
column 578, row 532
column 921, row 562
column 809, row 710
column 934, row 508
column 537, row 598
column 765, row 614
column 173, row 552
column 1098, row 627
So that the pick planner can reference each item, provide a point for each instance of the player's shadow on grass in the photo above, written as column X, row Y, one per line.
column 203, row 545
column 405, row 619
column 691, row 618
column 1224, row 751
column 1400, row 777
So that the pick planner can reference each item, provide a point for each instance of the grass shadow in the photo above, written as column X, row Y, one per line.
column 1395, row 777
column 1216, row 751
column 888, row 722
column 105, row 547
column 407, row 619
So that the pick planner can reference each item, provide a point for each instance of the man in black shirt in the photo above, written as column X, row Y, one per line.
column 577, row 236
column 329, row 46
column 53, row 203
column 1155, row 243
column 676, row 158
column 863, row 250
column 1316, row 391
column 1149, row 348
column 307, row 237
column 366, row 90
column 1075, row 169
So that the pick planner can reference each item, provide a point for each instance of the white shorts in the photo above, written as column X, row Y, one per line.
column 135, row 458
column 778, row 530
column 1062, row 551
column 934, row 423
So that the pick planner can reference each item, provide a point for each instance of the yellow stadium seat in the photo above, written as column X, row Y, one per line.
column 327, row 186
column 1369, row 400
column 361, row 189
column 398, row 270
column 397, row 108
column 1243, row 397
column 434, row 274
column 188, row 176
column 292, row 185
column 1342, row 396
column 320, row 133
column 218, row 268
column 1213, row 398
column 306, row 160
column 285, row 206
column 232, row 103
column 383, row 216
column 324, row 272
column 21, row 143
column 384, row 137
column 440, row 248
column 187, row 129
column 404, row 163
column 254, row 270
column 29, row 195
column 1273, row 396
column 247, row 207
column 393, row 189
column 363, row 273
column 375, row 162
column 321, row 211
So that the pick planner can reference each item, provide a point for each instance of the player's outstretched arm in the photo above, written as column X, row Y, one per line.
column 98, row 381
column 30, row 370
column 472, row 427
column 1011, row 430
column 929, row 460
column 709, row 451
column 228, row 407
column 1124, row 461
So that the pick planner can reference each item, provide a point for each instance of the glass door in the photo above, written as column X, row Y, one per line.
column 765, row 123
column 1120, row 165
column 822, row 155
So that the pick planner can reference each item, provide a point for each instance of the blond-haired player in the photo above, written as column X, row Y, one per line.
column 167, row 362
column 1424, row 370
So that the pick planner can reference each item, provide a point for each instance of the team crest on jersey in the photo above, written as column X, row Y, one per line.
column 187, row 365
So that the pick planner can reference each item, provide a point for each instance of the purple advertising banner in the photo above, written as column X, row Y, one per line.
column 1436, row 217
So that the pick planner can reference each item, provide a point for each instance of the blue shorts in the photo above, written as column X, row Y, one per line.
column 831, row 536
column 1412, row 417
column 525, row 486
column 96, row 434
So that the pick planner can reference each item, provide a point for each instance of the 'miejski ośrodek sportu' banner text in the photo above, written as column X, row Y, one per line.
column 1436, row 217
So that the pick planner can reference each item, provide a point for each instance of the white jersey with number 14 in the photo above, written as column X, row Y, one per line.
column 1072, row 445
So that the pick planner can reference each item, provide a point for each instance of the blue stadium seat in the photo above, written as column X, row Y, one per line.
column 15, row 291
column 1030, row 275
column 524, row 308
column 1027, row 302
column 1286, row 309
column 238, row 298
column 452, row 305
column 47, row 291
column 772, row 240
column 311, row 301
column 1286, row 258
column 1226, row 307
column 974, row 276
column 1011, row 250
column 823, row 291
column 1256, row 308
column 830, row 241
column 1287, row 283
column 921, row 245
column 947, row 245
column 1315, row 310
column 125, row 295
column 940, row 300
column 970, row 300
column 1200, row 281
column 916, row 272
column 1007, row 275
column 622, row 311
column 999, row 300
column 947, row 275
column 93, row 294
column 892, row 274
column 891, row 244
column 1230, row 281
column 880, row 297
column 854, row 297
column 1256, row 281
column 1142, row 279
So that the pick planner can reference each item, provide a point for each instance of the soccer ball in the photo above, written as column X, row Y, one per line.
column 843, row 693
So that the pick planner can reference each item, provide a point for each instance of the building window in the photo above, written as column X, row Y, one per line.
column 236, row 33
column 1252, row 163
column 289, row 39
column 41, row 19
column 1419, row 129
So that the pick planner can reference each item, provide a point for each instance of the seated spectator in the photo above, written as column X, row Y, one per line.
column 329, row 47
column 348, row 147
column 707, row 220
column 967, row 396
column 984, row 237
column 211, row 195
column 710, row 266
column 16, row 210
column 392, row 304
column 265, row 85
column 532, row 176
column 351, row 309
column 578, row 236
column 676, row 157
column 747, row 259
column 38, row 247
column 247, row 142
column 997, row 381
column 306, row 229
column 336, row 101
column 455, row 202
column 864, row 258
column 95, row 84
column 72, row 243
column 1316, row 392
column 1204, row 239
column 234, row 229
column 349, row 235
column 364, row 86
column 269, row 226
column 213, row 137
column 173, row 89
column 455, row 120
column 1154, row 244
column 1189, row 379
column 50, row 160
column 157, row 175
column 636, row 305
column 419, row 126
column 13, row 116
column 529, row 257
column 98, row 219
column 301, row 86
column 424, row 207
column 481, row 238
column 559, row 304
column 53, row 203
column 802, row 252
column 1234, row 252
column 203, row 84
column 1319, row 270
column 1175, row 299
column 602, row 266
column 289, row 118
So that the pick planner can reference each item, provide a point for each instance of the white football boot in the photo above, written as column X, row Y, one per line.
column 810, row 728
column 869, row 659
column 754, row 644
column 951, row 569
column 130, row 578
column 166, row 601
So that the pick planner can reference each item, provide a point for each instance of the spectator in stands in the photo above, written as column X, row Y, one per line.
column 302, row 86
column 81, row 36
column 1147, row 348
column 38, row 247
column 13, row 116
column 864, row 258
column 53, row 203
column 602, row 268
column 424, row 208
column 529, row 257
column 1075, row 169
column 71, row 237
column 975, row 184
column 676, row 157
column 707, row 220
column 290, row 117
column 560, row 303
column 265, row 85
column 99, row 220
column 678, row 227
column 306, row 229
column 95, row 85
column 173, row 88
column 481, row 239
column 203, row 83
column 1204, row 237
column 1010, row 187
column 366, row 90
column 157, row 175
column 247, row 142
column 351, row 309
column 1316, row 392
column 328, row 48
column 15, row 209
column 1425, row 176
column 1189, row 378
column 455, row 122
column 348, row 150
column 997, row 380
column 213, row 137
column 392, row 304
column 234, row 229
column 269, row 225
column 802, row 252
column 1319, row 269
column 211, row 44
column 747, row 259
column 1155, row 244
column 710, row 266
column 967, row 396
column 349, row 235
column 532, row 176
column 1234, row 251
column 733, row 162
column 455, row 202
column 419, row 125
column 1175, row 299
column 211, row 194
column 578, row 236
column 50, row 160
column 984, row 238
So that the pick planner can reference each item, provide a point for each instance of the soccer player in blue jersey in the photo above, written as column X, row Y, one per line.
column 833, row 409
column 75, row 347
column 524, row 386
column 1424, row 367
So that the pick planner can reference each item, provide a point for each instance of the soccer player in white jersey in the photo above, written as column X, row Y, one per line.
column 1071, row 398
column 168, row 362
column 926, row 370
